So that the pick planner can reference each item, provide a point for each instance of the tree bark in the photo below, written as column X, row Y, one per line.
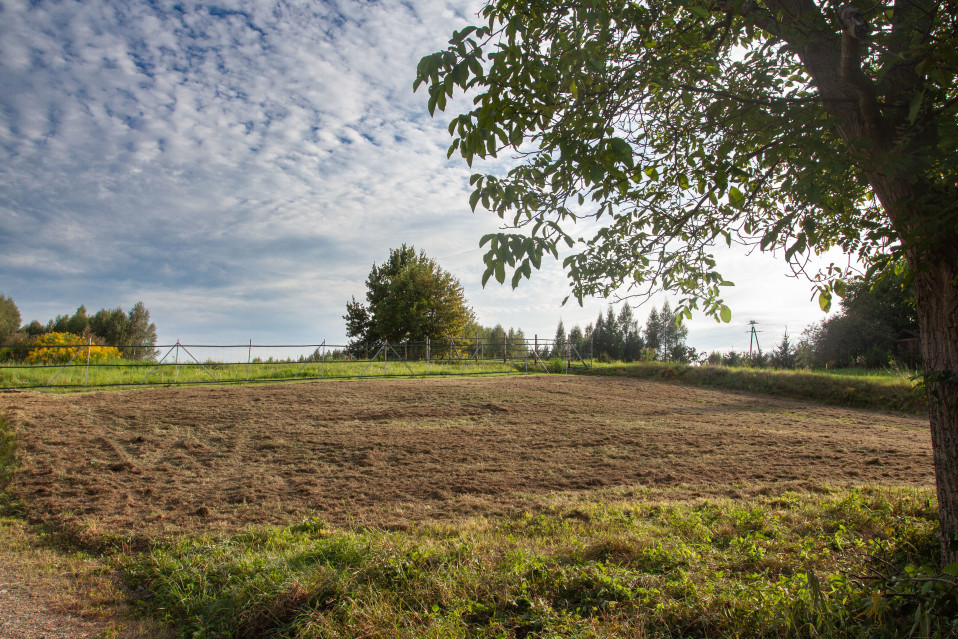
column 936, row 298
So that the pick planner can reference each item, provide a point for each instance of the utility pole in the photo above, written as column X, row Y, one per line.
column 753, row 339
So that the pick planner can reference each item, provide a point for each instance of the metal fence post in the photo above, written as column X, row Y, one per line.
column 89, row 347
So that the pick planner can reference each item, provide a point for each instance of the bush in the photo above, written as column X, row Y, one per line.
column 56, row 348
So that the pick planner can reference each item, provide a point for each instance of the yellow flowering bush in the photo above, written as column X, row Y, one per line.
column 55, row 348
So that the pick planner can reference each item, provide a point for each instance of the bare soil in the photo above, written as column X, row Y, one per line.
column 141, row 465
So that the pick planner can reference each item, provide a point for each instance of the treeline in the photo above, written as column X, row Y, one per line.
column 877, row 326
column 131, row 332
column 618, row 337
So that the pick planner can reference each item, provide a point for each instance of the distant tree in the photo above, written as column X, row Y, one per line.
column 600, row 339
column 653, row 332
column 632, row 343
column 494, row 341
column 616, row 338
column 674, row 334
column 141, row 334
column 408, row 297
column 863, row 333
column 77, row 324
column 34, row 328
column 9, row 318
column 559, row 341
column 516, row 339
column 579, row 342
column 111, row 325
column 784, row 355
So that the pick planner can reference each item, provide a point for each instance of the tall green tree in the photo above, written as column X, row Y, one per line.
column 632, row 342
column 9, row 318
column 790, row 125
column 864, row 332
column 408, row 297
column 653, row 333
column 559, row 341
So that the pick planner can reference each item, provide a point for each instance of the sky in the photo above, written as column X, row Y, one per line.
column 239, row 166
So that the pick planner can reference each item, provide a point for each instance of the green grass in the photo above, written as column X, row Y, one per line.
column 135, row 373
column 796, row 565
column 859, row 388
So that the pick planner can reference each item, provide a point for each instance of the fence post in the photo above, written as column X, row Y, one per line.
column 89, row 347
column 427, row 355
column 505, row 348
column 322, row 360
column 176, row 363
column 249, row 358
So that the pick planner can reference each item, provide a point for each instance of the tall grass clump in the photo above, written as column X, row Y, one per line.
column 878, row 392
column 846, row 563
column 8, row 454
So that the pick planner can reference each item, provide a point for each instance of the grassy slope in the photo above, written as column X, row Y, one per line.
column 876, row 392
column 795, row 565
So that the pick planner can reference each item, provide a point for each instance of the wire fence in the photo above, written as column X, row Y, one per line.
column 89, row 365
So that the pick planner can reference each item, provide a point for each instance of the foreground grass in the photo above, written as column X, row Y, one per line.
column 795, row 565
column 897, row 393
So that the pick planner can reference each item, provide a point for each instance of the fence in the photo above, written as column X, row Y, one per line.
column 88, row 365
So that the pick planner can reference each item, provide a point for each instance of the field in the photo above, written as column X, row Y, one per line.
column 390, row 452
column 532, row 506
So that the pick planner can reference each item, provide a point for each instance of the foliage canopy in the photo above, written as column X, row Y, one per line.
column 794, row 126
column 681, row 125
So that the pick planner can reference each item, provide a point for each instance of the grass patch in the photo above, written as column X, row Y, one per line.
column 8, row 457
column 795, row 565
column 80, row 375
column 872, row 391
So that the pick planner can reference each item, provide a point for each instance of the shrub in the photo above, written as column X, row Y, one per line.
column 55, row 348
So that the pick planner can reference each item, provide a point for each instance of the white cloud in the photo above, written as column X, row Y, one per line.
column 238, row 168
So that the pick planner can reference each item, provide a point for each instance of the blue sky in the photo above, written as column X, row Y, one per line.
column 239, row 166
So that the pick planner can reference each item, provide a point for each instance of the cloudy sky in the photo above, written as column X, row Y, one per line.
column 239, row 166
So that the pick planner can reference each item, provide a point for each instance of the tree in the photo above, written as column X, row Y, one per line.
column 872, row 314
column 140, row 335
column 653, row 332
column 559, row 341
column 632, row 338
column 409, row 297
column 784, row 355
column 9, row 318
column 579, row 341
column 673, row 334
column 790, row 125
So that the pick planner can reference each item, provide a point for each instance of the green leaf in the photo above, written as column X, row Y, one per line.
column 840, row 288
column 825, row 300
column 736, row 198
column 473, row 201
column 500, row 271
column 486, row 275
column 725, row 313
column 915, row 107
column 700, row 12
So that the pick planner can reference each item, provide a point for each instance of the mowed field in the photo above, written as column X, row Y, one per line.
column 387, row 453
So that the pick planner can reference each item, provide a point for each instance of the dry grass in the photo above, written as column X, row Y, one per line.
column 137, row 466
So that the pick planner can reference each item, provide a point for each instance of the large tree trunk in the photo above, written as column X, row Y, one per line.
column 936, row 297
